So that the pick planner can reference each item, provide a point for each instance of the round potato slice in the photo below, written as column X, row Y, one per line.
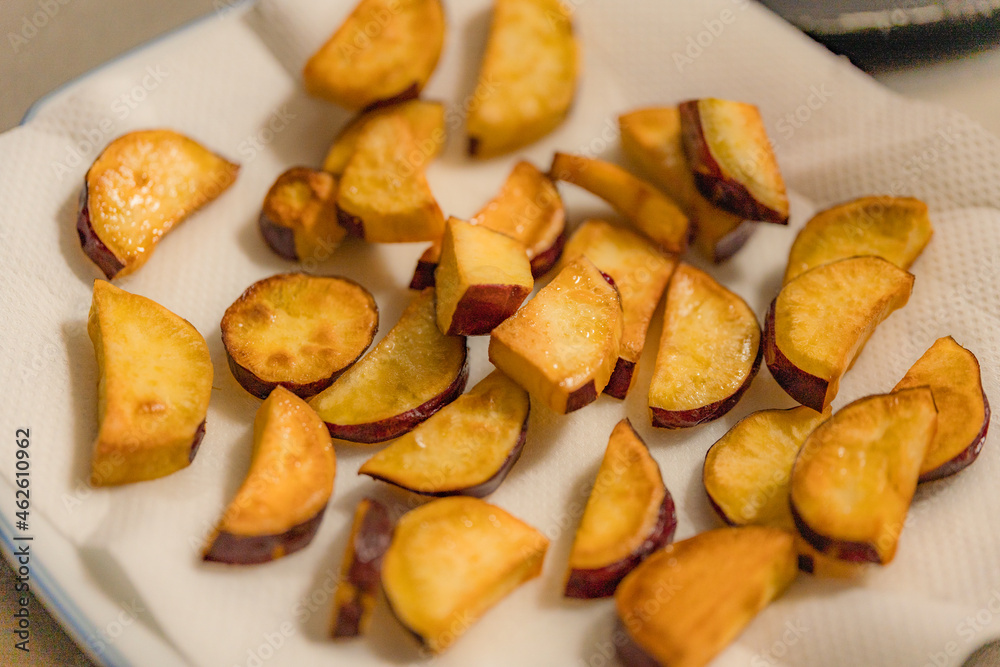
column 297, row 331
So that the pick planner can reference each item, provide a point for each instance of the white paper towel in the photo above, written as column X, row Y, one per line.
column 232, row 82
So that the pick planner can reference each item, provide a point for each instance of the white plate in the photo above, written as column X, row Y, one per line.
column 231, row 81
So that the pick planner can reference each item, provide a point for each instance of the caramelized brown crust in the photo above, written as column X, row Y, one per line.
column 140, row 187
column 298, row 331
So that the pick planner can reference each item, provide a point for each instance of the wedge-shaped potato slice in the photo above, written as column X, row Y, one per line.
column 299, row 218
column 687, row 602
column 855, row 475
column 640, row 272
column 709, row 351
column 155, row 382
column 482, row 279
column 649, row 210
column 747, row 471
column 453, row 559
column 143, row 185
column 747, row 474
column 893, row 228
column 652, row 139
column 426, row 121
column 384, row 197
column 819, row 323
column 467, row 448
column 384, row 52
column 280, row 504
column 528, row 77
column 563, row 344
column 527, row 208
column 298, row 331
column 732, row 160
column 953, row 375
column 361, row 569
column 411, row 373
column 629, row 515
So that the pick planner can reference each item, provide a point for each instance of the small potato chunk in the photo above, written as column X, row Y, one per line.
column 649, row 210
column 467, row 448
column 383, row 196
column 299, row 218
column 856, row 474
column 563, row 344
column 953, row 374
column 687, row 602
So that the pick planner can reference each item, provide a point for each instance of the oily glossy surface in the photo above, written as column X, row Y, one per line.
column 855, row 475
column 640, row 271
column 563, row 344
column 140, row 187
column 819, row 323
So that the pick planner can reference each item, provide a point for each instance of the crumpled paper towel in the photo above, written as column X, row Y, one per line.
column 232, row 82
